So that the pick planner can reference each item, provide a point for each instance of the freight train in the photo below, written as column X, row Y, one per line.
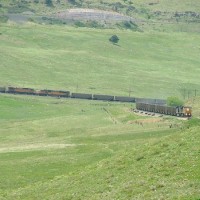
column 66, row 94
column 179, row 111
column 149, row 105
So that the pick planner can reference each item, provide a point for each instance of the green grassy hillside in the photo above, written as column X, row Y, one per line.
column 73, row 149
column 151, row 64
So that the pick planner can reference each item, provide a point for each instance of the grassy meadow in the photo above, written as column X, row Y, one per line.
column 70, row 149
column 77, row 149
column 150, row 64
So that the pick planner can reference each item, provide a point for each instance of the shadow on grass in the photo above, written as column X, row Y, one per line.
column 116, row 44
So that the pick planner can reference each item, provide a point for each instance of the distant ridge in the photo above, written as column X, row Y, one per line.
column 92, row 14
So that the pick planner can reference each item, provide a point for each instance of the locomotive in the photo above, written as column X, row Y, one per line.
column 179, row 111
column 66, row 94
column 30, row 91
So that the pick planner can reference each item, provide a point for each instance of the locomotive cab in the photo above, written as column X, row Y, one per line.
column 184, row 111
column 187, row 111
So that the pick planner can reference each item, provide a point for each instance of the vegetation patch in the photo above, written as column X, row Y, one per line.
column 145, row 64
column 3, row 18
column 64, row 148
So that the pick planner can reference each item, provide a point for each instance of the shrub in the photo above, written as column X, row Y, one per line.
column 3, row 19
column 114, row 39
column 72, row 1
column 79, row 24
column 49, row 3
column 174, row 101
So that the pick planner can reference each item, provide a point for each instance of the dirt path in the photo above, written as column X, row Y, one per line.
column 30, row 147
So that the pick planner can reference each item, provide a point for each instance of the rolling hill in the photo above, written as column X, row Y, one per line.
column 156, row 14
column 56, row 148
column 72, row 149
column 150, row 64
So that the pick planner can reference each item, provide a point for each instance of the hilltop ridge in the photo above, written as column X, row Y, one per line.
column 156, row 14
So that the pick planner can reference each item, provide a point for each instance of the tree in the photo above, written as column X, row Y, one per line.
column 114, row 39
column 72, row 1
column 49, row 2
column 174, row 101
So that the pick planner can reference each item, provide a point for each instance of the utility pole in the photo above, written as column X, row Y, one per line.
column 129, row 92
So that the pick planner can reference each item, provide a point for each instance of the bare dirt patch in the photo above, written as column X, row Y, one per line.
column 30, row 147
column 91, row 14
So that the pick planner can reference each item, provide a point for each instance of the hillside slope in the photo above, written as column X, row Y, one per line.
column 78, row 59
column 132, row 7
column 160, row 14
column 71, row 149
column 162, row 169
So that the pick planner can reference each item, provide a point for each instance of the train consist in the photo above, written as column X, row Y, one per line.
column 144, row 104
column 179, row 111
column 65, row 94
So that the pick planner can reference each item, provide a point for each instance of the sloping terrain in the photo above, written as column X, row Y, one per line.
column 71, row 149
column 149, row 64
column 131, row 7
column 162, row 15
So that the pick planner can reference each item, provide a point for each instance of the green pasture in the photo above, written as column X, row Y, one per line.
column 78, row 149
column 149, row 64
column 57, row 148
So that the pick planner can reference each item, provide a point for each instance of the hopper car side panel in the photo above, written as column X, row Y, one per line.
column 81, row 96
column 167, row 110
column 103, row 97
column 124, row 99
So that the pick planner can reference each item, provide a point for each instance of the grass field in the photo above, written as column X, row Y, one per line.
column 73, row 149
column 151, row 64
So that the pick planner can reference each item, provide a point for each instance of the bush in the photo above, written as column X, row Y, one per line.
column 89, row 24
column 128, row 25
column 49, row 3
column 72, row 1
column 114, row 39
column 79, row 24
column 174, row 101
column 3, row 19
column 48, row 20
